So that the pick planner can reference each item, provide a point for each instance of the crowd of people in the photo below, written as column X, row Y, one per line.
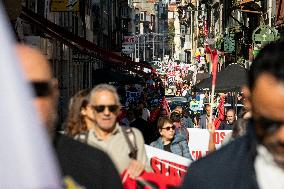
column 100, row 142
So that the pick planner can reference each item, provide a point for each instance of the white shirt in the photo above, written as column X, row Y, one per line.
column 268, row 173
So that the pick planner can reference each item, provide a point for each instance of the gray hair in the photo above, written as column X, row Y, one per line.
column 106, row 87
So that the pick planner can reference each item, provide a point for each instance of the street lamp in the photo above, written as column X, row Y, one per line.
column 154, row 35
column 144, row 50
column 144, row 46
column 138, row 40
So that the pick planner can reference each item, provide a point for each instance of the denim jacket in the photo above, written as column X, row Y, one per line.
column 178, row 146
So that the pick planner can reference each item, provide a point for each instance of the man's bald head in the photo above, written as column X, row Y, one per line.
column 230, row 116
column 38, row 72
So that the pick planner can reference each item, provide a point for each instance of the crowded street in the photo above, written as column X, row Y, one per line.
column 144, row 94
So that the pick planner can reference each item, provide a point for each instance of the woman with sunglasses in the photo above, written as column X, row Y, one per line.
column 169, row 140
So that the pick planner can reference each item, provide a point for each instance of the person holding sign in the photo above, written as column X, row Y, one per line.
column 169, row 140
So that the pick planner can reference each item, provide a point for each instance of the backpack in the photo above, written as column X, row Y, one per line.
column 128, row 135
column 131, row 141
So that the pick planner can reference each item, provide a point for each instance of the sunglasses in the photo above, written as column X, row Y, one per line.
column 101, row 108
column 268, row 125
column 169, row 128
column 41, row 88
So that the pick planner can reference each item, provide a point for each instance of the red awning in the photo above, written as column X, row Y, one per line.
column 68, row 38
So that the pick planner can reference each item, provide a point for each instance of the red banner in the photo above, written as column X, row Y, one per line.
column 165, row 106
column 214, row 59
column 221, row 113
column 147, row 180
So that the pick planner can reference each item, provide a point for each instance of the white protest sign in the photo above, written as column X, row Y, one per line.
column 166, row 163
column 199, row 139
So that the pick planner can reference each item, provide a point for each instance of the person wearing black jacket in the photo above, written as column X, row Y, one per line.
column 82, row 166
column 230, row 120
column 88, row 166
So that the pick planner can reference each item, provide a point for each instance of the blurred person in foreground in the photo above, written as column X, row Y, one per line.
column 255, row 160
column 81, row 165
column 169, row 140
column 99, row 118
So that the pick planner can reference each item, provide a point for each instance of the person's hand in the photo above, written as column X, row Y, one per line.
column 211, row 128
column 135, row 168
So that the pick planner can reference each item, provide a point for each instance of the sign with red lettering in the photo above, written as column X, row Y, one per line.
column 169, row 164
column 166, row 163
column 199, row 139
column 130, row 40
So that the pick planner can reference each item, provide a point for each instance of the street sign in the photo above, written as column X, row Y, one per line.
column 264, row 34
column 127, row 48
column 64, row 5
column 229, row 43
column 130, row 39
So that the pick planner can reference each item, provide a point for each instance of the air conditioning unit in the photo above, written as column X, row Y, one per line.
column 143, row 16
column 265, row 16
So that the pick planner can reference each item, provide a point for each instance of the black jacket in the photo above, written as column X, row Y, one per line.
column 231, row 167
column 225, row 126
column 86, row 165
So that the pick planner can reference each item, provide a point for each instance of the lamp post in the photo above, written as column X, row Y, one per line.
column 153, row 54
column 154, row 35
column 144, row 50
column 144, row 45
column 138, row 43
column 137, row 46
column 163, row 47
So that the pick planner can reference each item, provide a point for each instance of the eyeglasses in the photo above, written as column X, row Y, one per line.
column 41, row 88
column 101, row 108
column 269, row 125
column 169, row 128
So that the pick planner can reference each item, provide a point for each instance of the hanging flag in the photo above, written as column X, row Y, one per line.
column 214, row 62
column 214, row 59
column 27, row 159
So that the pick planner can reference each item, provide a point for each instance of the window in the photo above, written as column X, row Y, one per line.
column 124, row 12
column 156, row 7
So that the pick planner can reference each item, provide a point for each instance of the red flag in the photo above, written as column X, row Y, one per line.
column 221, row 113
column 165, row 106
column 154, row 115
column 214, row 59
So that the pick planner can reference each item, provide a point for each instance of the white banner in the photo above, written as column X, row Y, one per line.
column 170, row 164
column 166, row 163
column 199, row 139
